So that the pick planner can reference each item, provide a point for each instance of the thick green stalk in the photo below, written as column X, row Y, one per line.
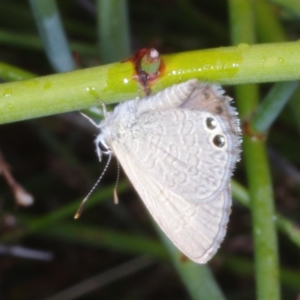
column 113, row 83
column 257, row 168
column 263, row 218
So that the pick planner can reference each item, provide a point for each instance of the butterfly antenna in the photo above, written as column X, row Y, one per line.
column 116, row 198
column 80, row 209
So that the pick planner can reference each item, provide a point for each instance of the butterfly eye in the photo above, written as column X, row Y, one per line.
column 211, row 123
column 219, row 140
column 104, row 148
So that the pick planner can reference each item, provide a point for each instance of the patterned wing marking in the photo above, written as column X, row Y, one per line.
column 196, row 229
column 173, row 148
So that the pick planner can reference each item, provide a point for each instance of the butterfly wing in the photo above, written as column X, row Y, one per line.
column 175, row 148
column 197, row 229
column 179, row 155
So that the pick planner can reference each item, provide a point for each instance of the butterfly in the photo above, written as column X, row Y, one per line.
column 178, row 149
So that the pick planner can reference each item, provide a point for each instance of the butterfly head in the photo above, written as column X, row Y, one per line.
column 102, row 147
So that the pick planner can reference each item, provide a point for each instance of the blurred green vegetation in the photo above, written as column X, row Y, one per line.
column 53, row 158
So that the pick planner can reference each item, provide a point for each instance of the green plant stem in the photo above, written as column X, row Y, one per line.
column 11, row 73
column 21, row 11
column 268, row 28
column 197, row 279
column 286, row 227
column 190, row 14
column 113, row 83
column 244, row 267
column 257, row 168
column 113, row 30
column 104, row 238
column 263, row 217
column 51, row 31
column 33, row 42
column 36, row 224
column 272, row 106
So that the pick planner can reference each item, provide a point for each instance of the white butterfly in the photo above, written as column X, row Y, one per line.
column 178, row 149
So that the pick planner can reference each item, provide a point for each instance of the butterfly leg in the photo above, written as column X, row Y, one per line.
column 98, row 150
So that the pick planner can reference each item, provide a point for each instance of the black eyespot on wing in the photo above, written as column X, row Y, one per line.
column 219, row 140
column 211, row 123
